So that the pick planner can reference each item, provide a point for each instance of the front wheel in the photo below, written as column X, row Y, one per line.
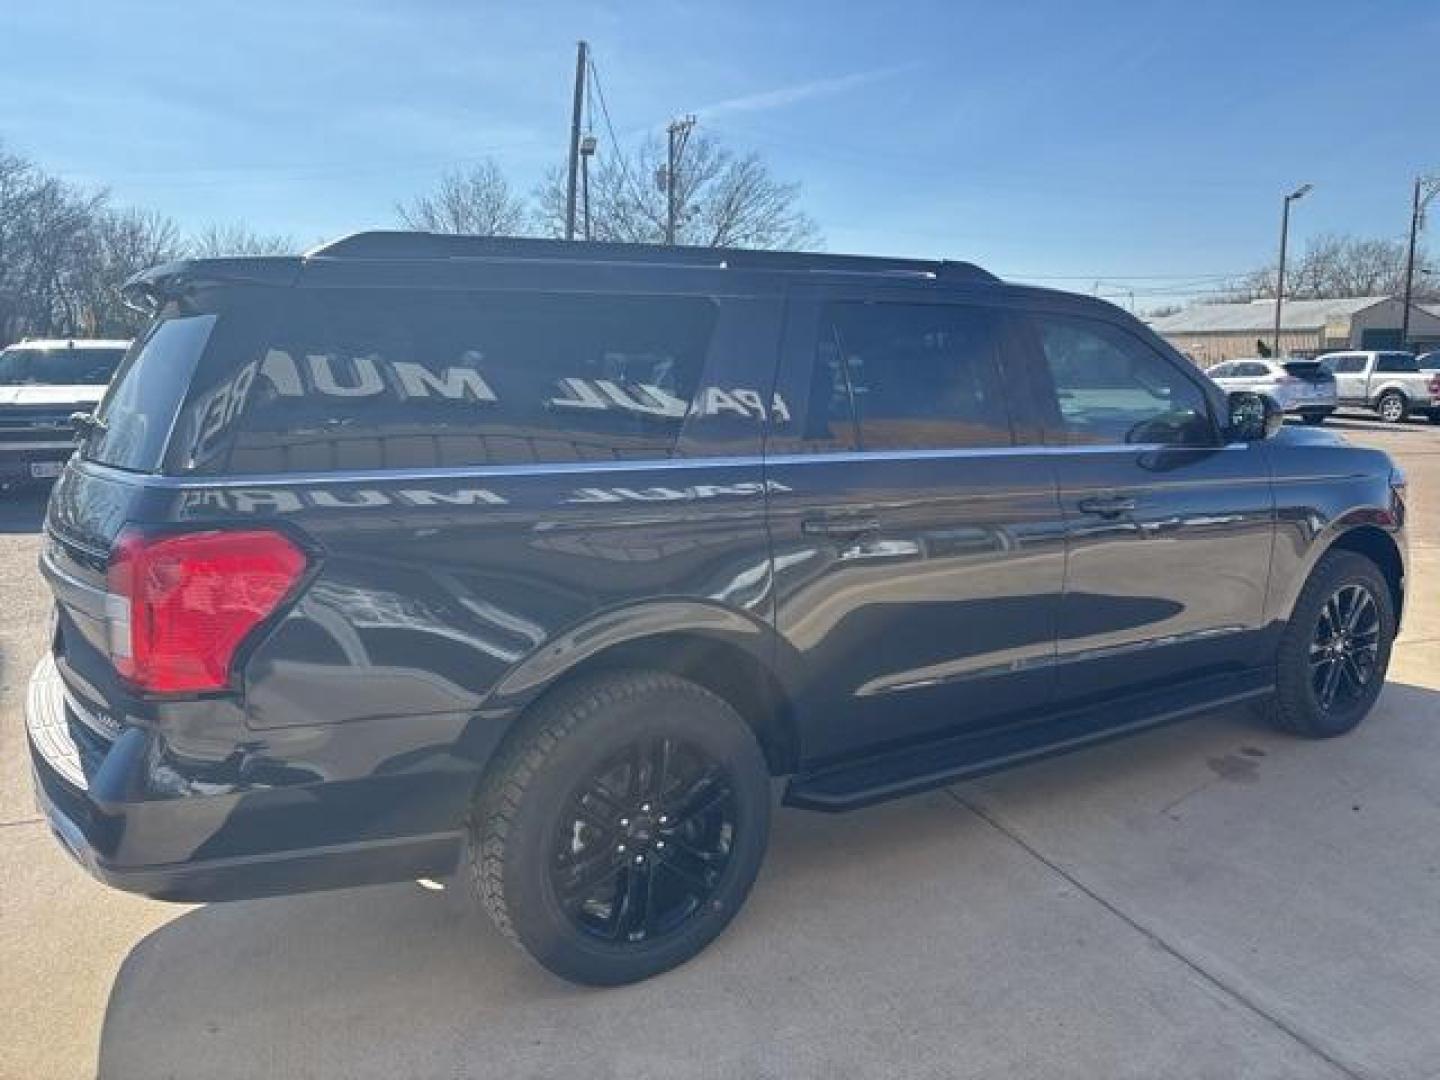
column 622, row 826
column 1393, row 407
column 1336, row 649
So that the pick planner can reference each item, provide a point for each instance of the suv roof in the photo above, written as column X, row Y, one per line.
column 438, row 249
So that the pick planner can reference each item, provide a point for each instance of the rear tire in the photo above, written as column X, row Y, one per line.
column 1393, row 407
column 621, row 827
column 1336, row 649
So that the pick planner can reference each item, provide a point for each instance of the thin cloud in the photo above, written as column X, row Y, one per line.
column 785, row 96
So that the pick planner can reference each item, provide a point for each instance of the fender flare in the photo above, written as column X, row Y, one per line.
column 604, row 630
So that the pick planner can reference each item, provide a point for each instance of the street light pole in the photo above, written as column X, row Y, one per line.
column 1417, row 214
column 1298, row 193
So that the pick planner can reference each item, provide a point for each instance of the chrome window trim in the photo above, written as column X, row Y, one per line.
column 589, row 468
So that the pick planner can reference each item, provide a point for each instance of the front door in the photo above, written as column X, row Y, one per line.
column 918, row 550
column 1170, row 529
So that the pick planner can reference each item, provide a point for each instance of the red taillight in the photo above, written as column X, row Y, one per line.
column 181, row 605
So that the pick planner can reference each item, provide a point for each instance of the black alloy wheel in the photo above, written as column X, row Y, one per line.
column 1346, row 647
column 645, row 841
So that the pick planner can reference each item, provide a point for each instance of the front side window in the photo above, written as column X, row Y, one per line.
column 1112, row 388
column 914, row 376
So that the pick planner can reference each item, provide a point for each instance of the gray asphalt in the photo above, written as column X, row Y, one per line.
column 1210, row 900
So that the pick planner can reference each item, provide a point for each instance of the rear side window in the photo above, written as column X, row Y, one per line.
column 917, row 376
column 137, row 411
column 1111, row 388
column 1396, row 362
column 354, row 380
column 1343, row 365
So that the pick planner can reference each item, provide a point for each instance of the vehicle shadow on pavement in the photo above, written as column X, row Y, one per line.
column 867, row 939
column 1375, row 424
column 22, row 510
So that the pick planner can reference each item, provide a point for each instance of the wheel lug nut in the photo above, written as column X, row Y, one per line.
column 663, row 819
column 645, row 809
column 620, row 848
column 639, row 860
column 659, row 843
column 624, row 822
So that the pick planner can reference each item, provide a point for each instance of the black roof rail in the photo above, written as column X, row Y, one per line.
column 423, row 245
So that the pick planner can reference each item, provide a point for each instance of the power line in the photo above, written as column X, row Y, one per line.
column 614, row 139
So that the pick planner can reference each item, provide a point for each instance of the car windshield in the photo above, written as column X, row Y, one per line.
column 62, row 366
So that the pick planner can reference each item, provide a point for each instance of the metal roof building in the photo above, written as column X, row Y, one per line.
column 1209, row 333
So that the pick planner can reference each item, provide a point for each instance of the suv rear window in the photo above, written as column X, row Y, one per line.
column 58, row 367
column 138, row 409
column 357, row 380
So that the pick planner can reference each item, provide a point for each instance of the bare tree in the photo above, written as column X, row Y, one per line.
column 118, row 245
column 723, row 199
column 219, row 241
column 42, row 222
column 1334, row 265
column 477, row 202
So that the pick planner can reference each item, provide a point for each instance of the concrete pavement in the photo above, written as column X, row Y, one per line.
column 1209, row 900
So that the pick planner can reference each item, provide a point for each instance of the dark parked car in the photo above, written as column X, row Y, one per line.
column 543, row 559
column 42, row 384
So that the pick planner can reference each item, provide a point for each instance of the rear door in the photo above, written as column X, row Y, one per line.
column 1349, row 372
column 918, row 546
column 1169, row 529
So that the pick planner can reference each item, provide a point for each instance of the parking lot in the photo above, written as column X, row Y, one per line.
column 1207, row 900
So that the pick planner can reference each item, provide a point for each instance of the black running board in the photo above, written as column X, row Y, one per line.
column 933, row 764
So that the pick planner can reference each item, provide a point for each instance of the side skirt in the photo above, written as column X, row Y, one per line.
column 907, row 770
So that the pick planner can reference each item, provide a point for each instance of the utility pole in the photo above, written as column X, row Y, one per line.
column 581, row 58
column 679, row 134
column 587, row 151
column 1298, row 193
column 1417, row 216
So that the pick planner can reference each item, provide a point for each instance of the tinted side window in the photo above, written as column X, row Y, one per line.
column 140, row 406
column 918, row 376
column 1344, row 365
column 386, row 380
column 1396, row 362
column 1221, row 371
column 1112, row 388
column 1251, row 370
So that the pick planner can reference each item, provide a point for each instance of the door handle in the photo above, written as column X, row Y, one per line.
column 845, row 528
column 1107, row 505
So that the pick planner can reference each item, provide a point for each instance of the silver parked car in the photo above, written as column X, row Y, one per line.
column 1391, row 383
column 1302, row 387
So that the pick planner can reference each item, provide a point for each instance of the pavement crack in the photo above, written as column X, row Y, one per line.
column 21, row 821
column 1228, row 991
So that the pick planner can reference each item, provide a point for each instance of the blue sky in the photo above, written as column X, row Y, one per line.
column 1141, row 145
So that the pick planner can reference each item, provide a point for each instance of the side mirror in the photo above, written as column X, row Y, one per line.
column 1252, row 416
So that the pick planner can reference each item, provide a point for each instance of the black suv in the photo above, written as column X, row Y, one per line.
column 544, row 559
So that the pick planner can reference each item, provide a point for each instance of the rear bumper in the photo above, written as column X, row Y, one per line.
column 116, row 810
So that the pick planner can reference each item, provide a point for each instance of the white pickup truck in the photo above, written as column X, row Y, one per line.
column 1391, row 383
